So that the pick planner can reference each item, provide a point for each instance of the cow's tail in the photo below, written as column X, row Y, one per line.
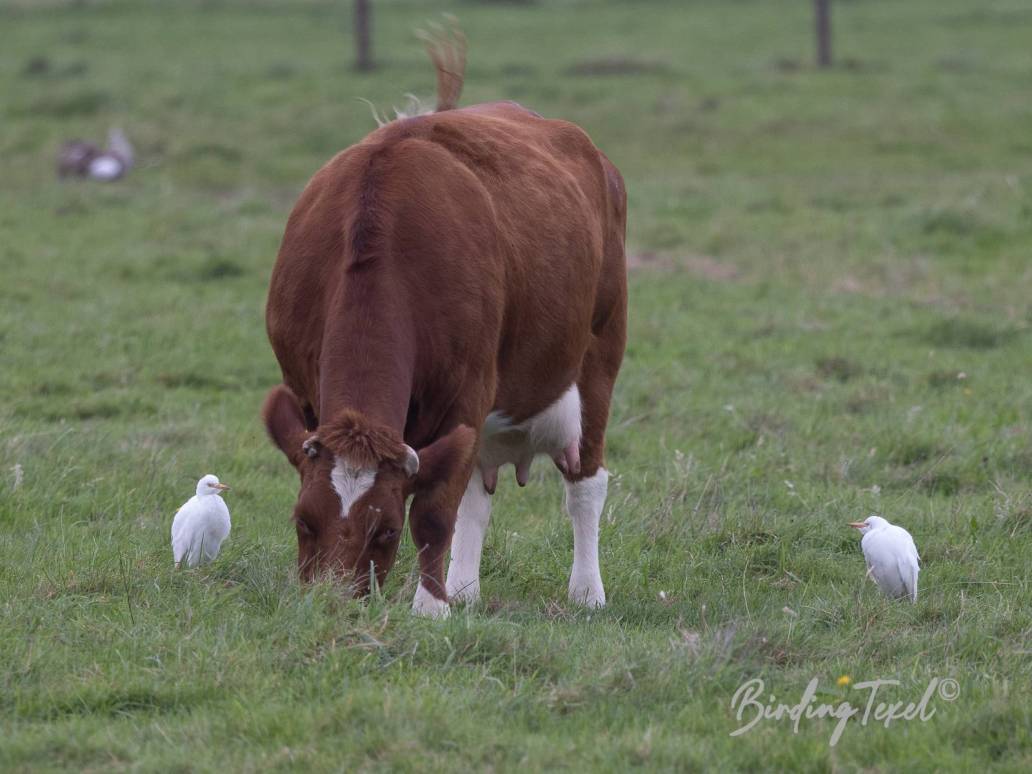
column 446, row 46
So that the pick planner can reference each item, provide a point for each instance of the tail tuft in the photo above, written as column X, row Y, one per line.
column 447, row 49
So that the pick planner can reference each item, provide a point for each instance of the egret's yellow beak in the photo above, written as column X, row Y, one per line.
column 221, row 487
column 857, row 524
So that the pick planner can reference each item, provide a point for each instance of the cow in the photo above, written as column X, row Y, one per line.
column 450, row 296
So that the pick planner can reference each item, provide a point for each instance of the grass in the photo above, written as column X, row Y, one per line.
column 830, row 318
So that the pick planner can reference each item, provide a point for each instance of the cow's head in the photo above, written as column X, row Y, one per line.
column 355, row 478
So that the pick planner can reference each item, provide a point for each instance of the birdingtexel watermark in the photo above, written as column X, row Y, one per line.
column 748, row 705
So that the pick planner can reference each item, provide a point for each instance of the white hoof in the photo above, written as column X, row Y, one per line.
column 588, row 592
column 426, row 604
column 466, row 592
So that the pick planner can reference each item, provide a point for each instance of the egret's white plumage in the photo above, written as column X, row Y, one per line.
column 201, row 524
column 891, row 556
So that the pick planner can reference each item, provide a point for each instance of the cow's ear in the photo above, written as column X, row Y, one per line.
column 443, row 459
column 286, row 423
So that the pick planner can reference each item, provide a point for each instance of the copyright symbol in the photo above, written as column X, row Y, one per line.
column 949, row 689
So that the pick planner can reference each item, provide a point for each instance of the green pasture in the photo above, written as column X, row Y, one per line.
column 831, row 298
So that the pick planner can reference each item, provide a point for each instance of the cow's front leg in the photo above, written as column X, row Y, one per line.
column 444, row 472
column 468, row 541
column 431, row 530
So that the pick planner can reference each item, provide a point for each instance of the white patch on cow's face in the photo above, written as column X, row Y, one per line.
column 350, row 483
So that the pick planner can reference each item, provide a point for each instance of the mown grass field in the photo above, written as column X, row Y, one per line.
column 830, row 317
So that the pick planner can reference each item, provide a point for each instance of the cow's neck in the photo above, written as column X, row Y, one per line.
column 368, row 352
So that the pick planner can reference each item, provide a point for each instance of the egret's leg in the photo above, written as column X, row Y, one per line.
column 193, row 553
column 211, row 549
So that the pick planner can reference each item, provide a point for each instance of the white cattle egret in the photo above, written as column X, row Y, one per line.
column 85, row 159
column 201, row 524
column 891, row 556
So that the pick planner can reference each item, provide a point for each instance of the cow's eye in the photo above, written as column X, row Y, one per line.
column 302, row 527
column 387, row 535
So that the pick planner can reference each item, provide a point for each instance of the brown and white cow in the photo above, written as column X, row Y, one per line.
column 454, row 283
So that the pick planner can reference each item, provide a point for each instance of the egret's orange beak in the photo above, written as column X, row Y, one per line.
column 221, row 487
column 857, row 524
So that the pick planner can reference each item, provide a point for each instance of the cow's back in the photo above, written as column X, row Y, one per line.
column 534, row 211
column 490, row 222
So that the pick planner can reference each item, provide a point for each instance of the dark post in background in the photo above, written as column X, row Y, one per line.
column 363, row 36
column 822, row 18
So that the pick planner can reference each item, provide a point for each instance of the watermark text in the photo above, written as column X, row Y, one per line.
column 749, row 705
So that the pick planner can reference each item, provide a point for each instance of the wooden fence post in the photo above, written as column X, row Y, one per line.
column 363, row 36
column 822, row 19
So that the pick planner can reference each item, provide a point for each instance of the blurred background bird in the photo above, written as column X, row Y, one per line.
column 891, row 556
column 84, row 159
column 201, row 524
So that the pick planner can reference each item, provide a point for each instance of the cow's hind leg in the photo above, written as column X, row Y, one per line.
column 463, row 584
column 585, row 498
column 587, row 486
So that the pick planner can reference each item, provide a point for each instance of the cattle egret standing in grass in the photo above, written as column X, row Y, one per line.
column 201, row 524
column 891, row 556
